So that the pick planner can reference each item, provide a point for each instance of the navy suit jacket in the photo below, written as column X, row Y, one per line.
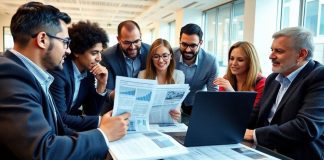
column 62, row 90
column 297, row 128
column 114, row 60
column 28, row 129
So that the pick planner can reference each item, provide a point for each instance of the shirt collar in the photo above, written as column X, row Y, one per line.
column 42, row 76
column 77, row 74
column 197, row 58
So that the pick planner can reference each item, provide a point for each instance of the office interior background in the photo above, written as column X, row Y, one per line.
column 223, row 22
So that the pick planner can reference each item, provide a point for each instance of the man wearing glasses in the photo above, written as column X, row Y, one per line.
column 31, row 127
column 199, row 67
column 126, row 58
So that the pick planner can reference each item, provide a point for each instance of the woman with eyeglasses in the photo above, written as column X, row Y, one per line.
column 160, row 65
column 243, row 71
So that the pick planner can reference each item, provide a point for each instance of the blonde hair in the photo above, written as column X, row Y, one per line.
column 254, row 68
column 151, row 69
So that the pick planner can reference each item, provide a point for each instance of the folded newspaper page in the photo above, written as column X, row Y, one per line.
column 223, row 152
column 145, row 145
column 147, row 101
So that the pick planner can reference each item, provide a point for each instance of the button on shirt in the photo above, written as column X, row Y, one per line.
column 133, row 66
column 285, row 83
column 43, row 78
column 78, row 77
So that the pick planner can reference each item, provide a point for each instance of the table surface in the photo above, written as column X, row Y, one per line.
column 246, row 143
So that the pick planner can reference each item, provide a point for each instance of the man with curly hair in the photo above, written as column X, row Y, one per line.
column 82, row 82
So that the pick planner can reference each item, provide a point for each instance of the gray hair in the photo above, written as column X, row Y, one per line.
column 300, row 38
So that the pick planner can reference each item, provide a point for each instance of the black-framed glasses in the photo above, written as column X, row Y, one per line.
column 185, row 45
column 129, row 43
column 66, row 41
column 157, row 57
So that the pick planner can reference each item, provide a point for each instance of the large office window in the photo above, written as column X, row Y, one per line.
column 223, row 27
column 290, row 10
column 309, row 14
column 172, row 34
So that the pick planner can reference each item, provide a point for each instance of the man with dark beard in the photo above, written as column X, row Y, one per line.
column 30, row 126
column 199, row 67
column 126, row 58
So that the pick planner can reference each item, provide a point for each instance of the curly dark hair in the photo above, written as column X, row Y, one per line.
column 84, row 35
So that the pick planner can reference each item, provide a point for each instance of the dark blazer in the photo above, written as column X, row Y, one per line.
column 62, row 90
column 297, row 128
column 114, row 60
column 28, row 129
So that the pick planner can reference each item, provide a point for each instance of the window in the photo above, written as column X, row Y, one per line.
column 223, row 27
column 172, row 35
column 309, row 14
column 290, row 10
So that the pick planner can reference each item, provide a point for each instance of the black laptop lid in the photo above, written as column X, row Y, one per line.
column 219, row 118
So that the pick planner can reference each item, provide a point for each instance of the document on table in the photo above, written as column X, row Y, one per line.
column 175, row 127
column 224, row 152
column 145, row 145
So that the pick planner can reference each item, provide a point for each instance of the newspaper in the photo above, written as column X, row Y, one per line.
column 224, row 152
column 145, row 145
column 147, row 101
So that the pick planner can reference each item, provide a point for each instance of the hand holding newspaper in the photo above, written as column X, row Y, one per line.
column 137, row 96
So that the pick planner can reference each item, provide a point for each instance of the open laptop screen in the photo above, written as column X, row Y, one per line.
column 219, row 118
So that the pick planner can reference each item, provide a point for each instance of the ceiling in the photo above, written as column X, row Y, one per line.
column 109, row 13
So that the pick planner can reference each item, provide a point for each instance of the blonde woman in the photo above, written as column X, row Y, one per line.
column 160, row 65
column 243, row 71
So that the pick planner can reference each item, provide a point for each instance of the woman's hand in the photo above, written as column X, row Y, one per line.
column 224, row 83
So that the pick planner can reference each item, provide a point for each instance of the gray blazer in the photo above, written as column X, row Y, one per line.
column 204, row 76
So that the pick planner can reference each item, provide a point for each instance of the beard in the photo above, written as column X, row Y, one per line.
column 49, row 62
column 131, row 53
column 189, row 55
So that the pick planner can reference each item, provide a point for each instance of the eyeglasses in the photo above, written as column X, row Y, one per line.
column 66, row 41
column 157, row 57
column 191, row 46
column 130, row 43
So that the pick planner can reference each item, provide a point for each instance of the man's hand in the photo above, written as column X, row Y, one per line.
column 114, row 127
column 101, row 74
column 248, row 135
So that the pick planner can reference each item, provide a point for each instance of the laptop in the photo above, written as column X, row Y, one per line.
column 219, row 118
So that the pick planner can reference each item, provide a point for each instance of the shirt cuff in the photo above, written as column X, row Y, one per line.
column 254, row 137
column 103, row 93
column 105, row 137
